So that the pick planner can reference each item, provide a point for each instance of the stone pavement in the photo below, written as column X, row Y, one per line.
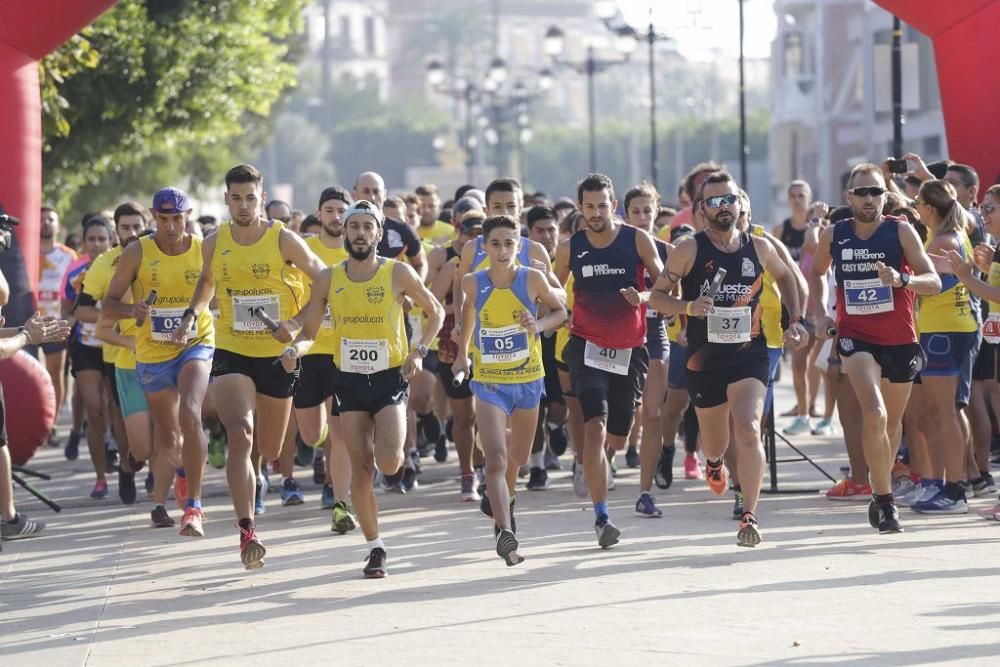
column 103, row 588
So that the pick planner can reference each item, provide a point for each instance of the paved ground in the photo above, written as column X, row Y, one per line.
column 102, row 588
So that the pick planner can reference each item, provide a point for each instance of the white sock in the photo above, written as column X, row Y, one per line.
column 376, row 544
column 537, row 459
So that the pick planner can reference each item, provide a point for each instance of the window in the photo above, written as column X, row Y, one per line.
column 793, row 61
column 370, row 35
column 345, row 32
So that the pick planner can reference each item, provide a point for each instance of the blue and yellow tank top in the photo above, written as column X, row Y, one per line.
column 368, row 331
column 502, row 350
column 481, row 261
column 949, row 311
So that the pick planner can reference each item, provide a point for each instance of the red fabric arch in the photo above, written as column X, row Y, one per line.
column 28, row 31
column 966, row 53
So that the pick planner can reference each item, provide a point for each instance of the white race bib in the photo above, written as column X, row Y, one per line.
column 729, row 325
column 365, row 356
column 416, row 321
column 610, row 359
column 503, row 344
column 991, row 328
column 163, row 322
column 867, row 297
column 88, row 335
column 326, row 324
column 48, row 302
column 243, row 319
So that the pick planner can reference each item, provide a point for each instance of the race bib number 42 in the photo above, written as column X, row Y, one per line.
column 729, row 325
column 610, row 359
column 867, row 297
column 503, row 344
column 365, row 356
column 163, row 322
column 243, row 307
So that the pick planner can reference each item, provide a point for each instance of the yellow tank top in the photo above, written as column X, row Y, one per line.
column 562, row 333
column 994, row 280
column 502, row 351
column 96, row 283
column 770, row 302
column 950, row 311
column 368, row 331
column 248, row 277
column 323, row 344
column 174, row 278
column 417, row 318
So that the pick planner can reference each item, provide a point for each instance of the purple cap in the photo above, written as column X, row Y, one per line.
column 171, row 200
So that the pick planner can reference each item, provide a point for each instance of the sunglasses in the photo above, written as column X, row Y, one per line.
column 987, row 208
column 721, row 200
column 872, row 191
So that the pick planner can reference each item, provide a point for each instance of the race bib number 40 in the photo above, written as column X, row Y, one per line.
column 163, row 322
column 243, row 306
column 729, row 325
column 503, row 344
column 610, row 359
column 365, row 356
column 867, row 297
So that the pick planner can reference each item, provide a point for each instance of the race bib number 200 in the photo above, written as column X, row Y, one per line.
column 365, row 356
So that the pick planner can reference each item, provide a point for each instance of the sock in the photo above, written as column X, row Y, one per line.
column 737, row 488
column 955, row 490
column 160, row 505
column 181, row 473
column 245, row 524
column 376, row 544
column 601, row 510
column 193, row 502
column 284, row 480
column 884, row 499
column 537, row 459
column 714, row 464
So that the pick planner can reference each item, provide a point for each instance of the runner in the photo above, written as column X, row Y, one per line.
column 172, row 365
column 727, row 361
column 431, row 229
column 501, row 306
column 246, row 266
column 880, row 264
column 606, row 352
column 373, row 367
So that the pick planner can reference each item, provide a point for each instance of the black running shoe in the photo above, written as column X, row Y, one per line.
column 448, row 426
column 664, row 476
column 149, row 482
column 873, row 515
column 430, row 425
column 72, row 450
column 160, row 518
column 375, row 566
column 394, row 482
column 557, row 440
column 631, row 457
column 484, row 504
column 738, row 506
column 441, row 449
column 538, row 480
column 507, row 548
column 409, row 480
column 110, row 459
column 888, row 519
column 304, row 454
column 319, row 468
column 126, row 487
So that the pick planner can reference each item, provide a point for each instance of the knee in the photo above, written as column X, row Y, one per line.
column 239, row 431
column 874, row 417
column 496, row 460
column 746, row 430
column 389, row 462
column 189, row 417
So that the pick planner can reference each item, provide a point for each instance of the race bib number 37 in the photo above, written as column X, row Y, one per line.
column 610, row 359
column 867, row 297
column 729, row 325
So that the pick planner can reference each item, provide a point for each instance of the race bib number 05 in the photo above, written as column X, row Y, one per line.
column 503, row 344
column 610, row 359
column 729, row 325
column 867, row 297
column 365, row 356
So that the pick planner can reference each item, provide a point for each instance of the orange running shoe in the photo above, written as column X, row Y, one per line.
column 180, row 491
column 191, row 523
column 252, row 551
column 846, row 489
column 717, row 478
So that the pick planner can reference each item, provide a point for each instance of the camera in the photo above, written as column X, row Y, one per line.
column 7, row 223
column 897, row 165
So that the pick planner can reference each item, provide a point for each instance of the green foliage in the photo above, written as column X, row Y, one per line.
column 162, row 91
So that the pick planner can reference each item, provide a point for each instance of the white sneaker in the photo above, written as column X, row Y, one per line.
column 611, row 477
column 902, row 487
column 579, row 481
column 823, row 427
column 799, row 426
column 926, row 493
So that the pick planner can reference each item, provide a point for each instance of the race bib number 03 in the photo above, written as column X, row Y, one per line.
column 364, row 356
column 504, row 344
column 163, row 322
column 729, row 325
column 243, row 319
column 610, row 359
column 867, row 297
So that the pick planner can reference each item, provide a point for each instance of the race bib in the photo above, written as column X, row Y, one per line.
column 416, row 321
column 365, row 356
column 503, row 344
column 88, row 335
column 991, row 329
column 610, row 359
column 326, row 324
column 729, row 325
column 48, row 302
column 243, row 319
column 867, row 297
column 163, row 322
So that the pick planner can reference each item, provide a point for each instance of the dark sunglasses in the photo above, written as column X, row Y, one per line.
column 872, row 191
column 721, row 200
column 987, row 208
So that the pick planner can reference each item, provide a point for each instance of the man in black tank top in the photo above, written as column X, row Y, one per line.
column 727, row 366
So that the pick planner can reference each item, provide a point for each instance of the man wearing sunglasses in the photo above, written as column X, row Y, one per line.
column 728, row 362
column 880, row 264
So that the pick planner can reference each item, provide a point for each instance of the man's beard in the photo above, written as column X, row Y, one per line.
column 244, row 223
column 361, row 255
column 598, row 225
column 335, row 232
column 46, row 235
column 861, row 216
column 719, row 225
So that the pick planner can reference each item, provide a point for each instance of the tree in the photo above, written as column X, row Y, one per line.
column 157, row 90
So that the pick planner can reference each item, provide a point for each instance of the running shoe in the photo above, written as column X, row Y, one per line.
column 928, row 489
column 53, row 440
column 72, row 449
column 749, row 532
column 611, row 475
column 100, row 490
column 942, row 503
column 110, row 457
column 484, row 504
column 798, row 426
column 612, row 468
column 149, row 482
column 304, row 454
column 664, row 476
column 507, row 548
column 20, row 528
column 394, row 483
column 557, row 440
column 126, row 487
column 319, row 468
column 980, row 487
column 902, row 487
column 260, row 495
column 846, row 489
column 191, row 523
column 631, row 457
column 375, row 565
column 326, row 497
column 991, row 485
column 291, row 493
column 538, row 480
column 645, row 507
column 441, row 448
column 160, row 518
column 217, row 451
column 579, row 481
column 911, row 496
column 873, row 514
column 469, row 494
column 991, row 512
column 252, row 551
column 449, row 424
column 430, row 425
column 888, row 519
column 607, row 533
column 738, row 506
column 409, row 480
column 341, row 519
column 716, row 477
column 692, row 469
column 552, row 462
column 823, row 427
column 180, row 491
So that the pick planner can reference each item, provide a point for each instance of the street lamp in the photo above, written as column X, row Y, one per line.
column 461, row 91
column 555, row 43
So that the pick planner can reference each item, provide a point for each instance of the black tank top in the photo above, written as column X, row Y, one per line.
column 793, row 239
column 740, row 293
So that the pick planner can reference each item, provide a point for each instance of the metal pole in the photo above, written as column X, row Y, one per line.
column 744, row 149
column 591, row 70
column 654, row 171
column 897, row 88
column 469, row 177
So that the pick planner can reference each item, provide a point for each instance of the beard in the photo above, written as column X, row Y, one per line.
column 361, row 254
column 597, row 225
column 864, row 216
column 722, row 225
column 46, row 234
column 335, row 232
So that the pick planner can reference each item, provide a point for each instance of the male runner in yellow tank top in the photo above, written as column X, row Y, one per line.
column 247, row 266
column 370, row 353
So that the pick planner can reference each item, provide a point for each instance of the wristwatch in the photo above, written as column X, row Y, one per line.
column 904, row 279
column 422, row 349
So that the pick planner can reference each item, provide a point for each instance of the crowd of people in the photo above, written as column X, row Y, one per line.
column 380, row 330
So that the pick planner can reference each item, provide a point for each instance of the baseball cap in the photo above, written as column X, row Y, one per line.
column 366, row 207
column 471, row 220
column 171, row 200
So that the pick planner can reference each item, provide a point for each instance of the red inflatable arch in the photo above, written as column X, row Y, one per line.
column 967, row 52
column 28, row 31
column 31, row 405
